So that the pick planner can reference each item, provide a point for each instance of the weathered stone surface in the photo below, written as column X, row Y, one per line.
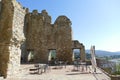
column 77, row 45
column 41, row 36
column 6, row 17
column 0, row 6
column 35, row 34
column 11, row 36
column 63, row 38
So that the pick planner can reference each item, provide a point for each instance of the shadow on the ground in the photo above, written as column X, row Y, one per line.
column 35, row 73
column 57, row 68
column 74, row 70
column 78, row 73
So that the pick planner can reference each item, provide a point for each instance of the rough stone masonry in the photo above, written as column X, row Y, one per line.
column 11, row 36
column 21, row 30
column 42, row 36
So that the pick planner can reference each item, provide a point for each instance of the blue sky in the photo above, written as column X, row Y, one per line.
column 94, row 22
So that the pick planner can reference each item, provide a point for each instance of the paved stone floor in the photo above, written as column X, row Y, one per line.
column 67, row 73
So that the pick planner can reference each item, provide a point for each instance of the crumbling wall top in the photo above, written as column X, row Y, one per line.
column 18, row 5
column 14, row 3
column 77, row 44
column 44, row 12
column 35, row 12
column 46, row 18
column 63, row 19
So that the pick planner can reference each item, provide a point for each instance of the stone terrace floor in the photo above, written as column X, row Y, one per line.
column 60, row 74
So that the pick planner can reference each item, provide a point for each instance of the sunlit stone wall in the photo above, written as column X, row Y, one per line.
column 11, row 37
column 42, row 36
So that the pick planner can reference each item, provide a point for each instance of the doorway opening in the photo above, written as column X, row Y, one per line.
column 30, row 56
column 76, row 54
column 52, row 54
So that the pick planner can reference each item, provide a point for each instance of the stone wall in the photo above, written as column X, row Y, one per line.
column 77, row 45
column 11, row 33
column 63, row 38
column 0, row 6
column 42, row 36
column 36, row 34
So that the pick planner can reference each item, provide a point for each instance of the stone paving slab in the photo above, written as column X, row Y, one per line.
column 63, row 74
column 1, row 78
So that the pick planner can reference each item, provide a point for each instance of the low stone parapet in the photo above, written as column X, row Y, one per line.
column 115, row 77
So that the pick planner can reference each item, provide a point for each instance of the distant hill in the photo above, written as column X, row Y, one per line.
column 104, row 53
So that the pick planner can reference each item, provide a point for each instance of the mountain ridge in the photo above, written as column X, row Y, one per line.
column 104, row 53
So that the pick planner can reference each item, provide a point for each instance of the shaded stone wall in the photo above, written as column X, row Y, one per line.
column 41, row 36
column 11, row 33
column 6, row 17
column 0, row 6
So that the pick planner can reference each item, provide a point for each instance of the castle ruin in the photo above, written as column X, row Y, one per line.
column 22, row 31
column 42, row 36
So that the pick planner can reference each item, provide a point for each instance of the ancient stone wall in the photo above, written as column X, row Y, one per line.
column 6, row 17
column 63, row 38
column 0, row 6
column 36, row 34
column 11, row 33
column 77, row 45
column 42, row 36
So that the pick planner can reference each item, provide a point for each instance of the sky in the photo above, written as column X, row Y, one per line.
column 94, row 22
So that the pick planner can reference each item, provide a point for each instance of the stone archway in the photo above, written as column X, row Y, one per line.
column 77, row 45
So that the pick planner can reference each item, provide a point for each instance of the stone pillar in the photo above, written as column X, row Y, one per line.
column 11, row 37
column 82, row 54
